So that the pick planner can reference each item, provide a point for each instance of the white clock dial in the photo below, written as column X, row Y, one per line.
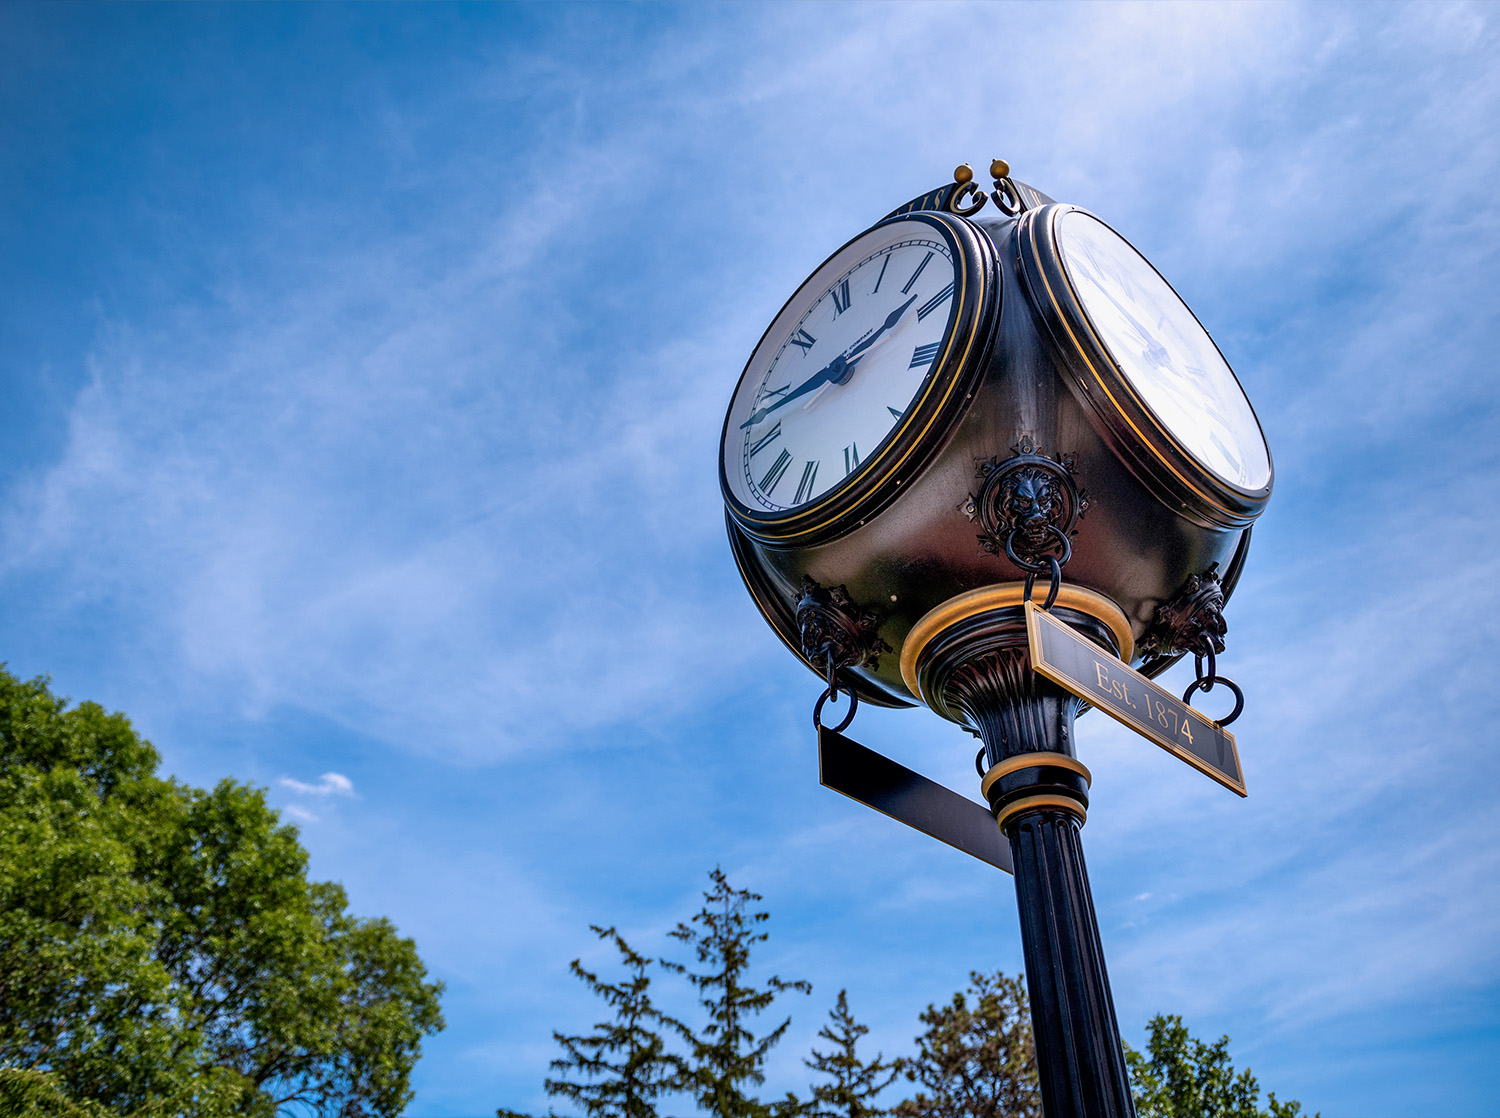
column 1163, row 351
column 840, row 367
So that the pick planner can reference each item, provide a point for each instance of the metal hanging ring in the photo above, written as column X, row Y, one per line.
column 979, row 762
column 1056, row 582
column 1213, row 669
column 1038, row 567
column 848, row 718
column 1205, row 684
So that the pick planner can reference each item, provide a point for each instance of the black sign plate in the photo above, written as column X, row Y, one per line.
column 909, row 797
column 1073, row 661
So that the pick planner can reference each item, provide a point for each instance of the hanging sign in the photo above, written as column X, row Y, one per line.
column 1074, row 662
column 908, row 797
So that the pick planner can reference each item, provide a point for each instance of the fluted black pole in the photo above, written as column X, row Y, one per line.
column 1039, row 792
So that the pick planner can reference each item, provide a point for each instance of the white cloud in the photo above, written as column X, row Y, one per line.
column 329, row 784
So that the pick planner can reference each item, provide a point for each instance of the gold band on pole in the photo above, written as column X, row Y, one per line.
column 1031, row 761
column 1000, row 596
column 1026, row 803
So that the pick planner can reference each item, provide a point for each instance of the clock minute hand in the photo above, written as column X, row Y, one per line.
column 836, row 370
column 832, row 371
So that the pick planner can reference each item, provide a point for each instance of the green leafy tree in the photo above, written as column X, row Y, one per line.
column 623, row 1062
column 979, row 1060
column 161, row 949
column 1183, row 1077
column 852, row 1085
column 726, row 1057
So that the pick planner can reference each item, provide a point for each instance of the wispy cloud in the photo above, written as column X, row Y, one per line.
column 329, row 784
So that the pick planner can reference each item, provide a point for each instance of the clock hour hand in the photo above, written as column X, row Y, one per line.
column 830, row 372
column 836, row 371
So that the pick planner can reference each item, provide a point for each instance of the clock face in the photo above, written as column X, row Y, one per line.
column 1163, row 351
column 841, row 367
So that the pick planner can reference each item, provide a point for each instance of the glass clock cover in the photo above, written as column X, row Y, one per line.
column 1163, row 351
column 840, row 367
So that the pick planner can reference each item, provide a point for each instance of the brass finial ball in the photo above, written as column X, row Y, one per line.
column 963, row 173
column 999, row 169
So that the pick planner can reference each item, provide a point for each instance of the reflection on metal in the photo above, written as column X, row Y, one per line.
column 909, row 797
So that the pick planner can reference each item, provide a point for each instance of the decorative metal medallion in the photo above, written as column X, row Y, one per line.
column 836, row 633
column 1193, row 621
column 1028, row 506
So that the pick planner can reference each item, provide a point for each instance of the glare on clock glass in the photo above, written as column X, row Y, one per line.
column 840, row 367
column 1163, row 350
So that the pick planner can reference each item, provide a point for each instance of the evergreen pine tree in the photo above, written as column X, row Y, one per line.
column 727, row 1057
column 623, row 1064
column 853, row 1084
column 1184, row 1077
column 979, row 1061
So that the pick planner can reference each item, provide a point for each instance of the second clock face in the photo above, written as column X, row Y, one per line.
column 840, row 367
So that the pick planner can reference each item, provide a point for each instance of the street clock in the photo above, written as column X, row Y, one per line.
column 931, row 347
column 986, row 460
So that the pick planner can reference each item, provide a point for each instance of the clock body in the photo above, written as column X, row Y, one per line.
column 1156, row 432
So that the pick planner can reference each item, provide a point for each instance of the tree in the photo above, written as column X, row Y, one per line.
column 624, row 1062
column 726, row 1056
column 977, row 1062
column 853, row 1084
column 1187, row 1078
column 161, row 949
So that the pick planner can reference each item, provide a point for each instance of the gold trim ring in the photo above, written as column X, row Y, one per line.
column 1066, row 803
column 1000, row 596
column 1032, row 761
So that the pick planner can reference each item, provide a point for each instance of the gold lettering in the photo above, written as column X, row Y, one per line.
column 1103, row 678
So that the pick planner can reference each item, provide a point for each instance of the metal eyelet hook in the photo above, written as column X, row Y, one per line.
column 832, row 692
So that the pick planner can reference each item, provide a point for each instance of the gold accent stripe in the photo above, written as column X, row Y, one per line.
column 999, row 596
column 1032, row 761
column 1067, row 803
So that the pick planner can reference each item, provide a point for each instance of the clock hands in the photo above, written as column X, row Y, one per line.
column 837, row 371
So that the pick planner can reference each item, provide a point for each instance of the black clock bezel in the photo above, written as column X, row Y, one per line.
column 1133, row 430
column 937, row 406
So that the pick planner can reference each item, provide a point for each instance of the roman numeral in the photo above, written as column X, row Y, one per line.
column 851, row 460
column 934, row 303
column 773, row 475
column 894, row 413
column 805, row 340
column 884, row 264
column 777, row 393
column 841, row 298
column 907, row 289
column 805, row 486
column 924, row 355
column 770, row 436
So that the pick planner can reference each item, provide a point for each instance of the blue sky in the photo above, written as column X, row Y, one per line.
column 363, row 369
